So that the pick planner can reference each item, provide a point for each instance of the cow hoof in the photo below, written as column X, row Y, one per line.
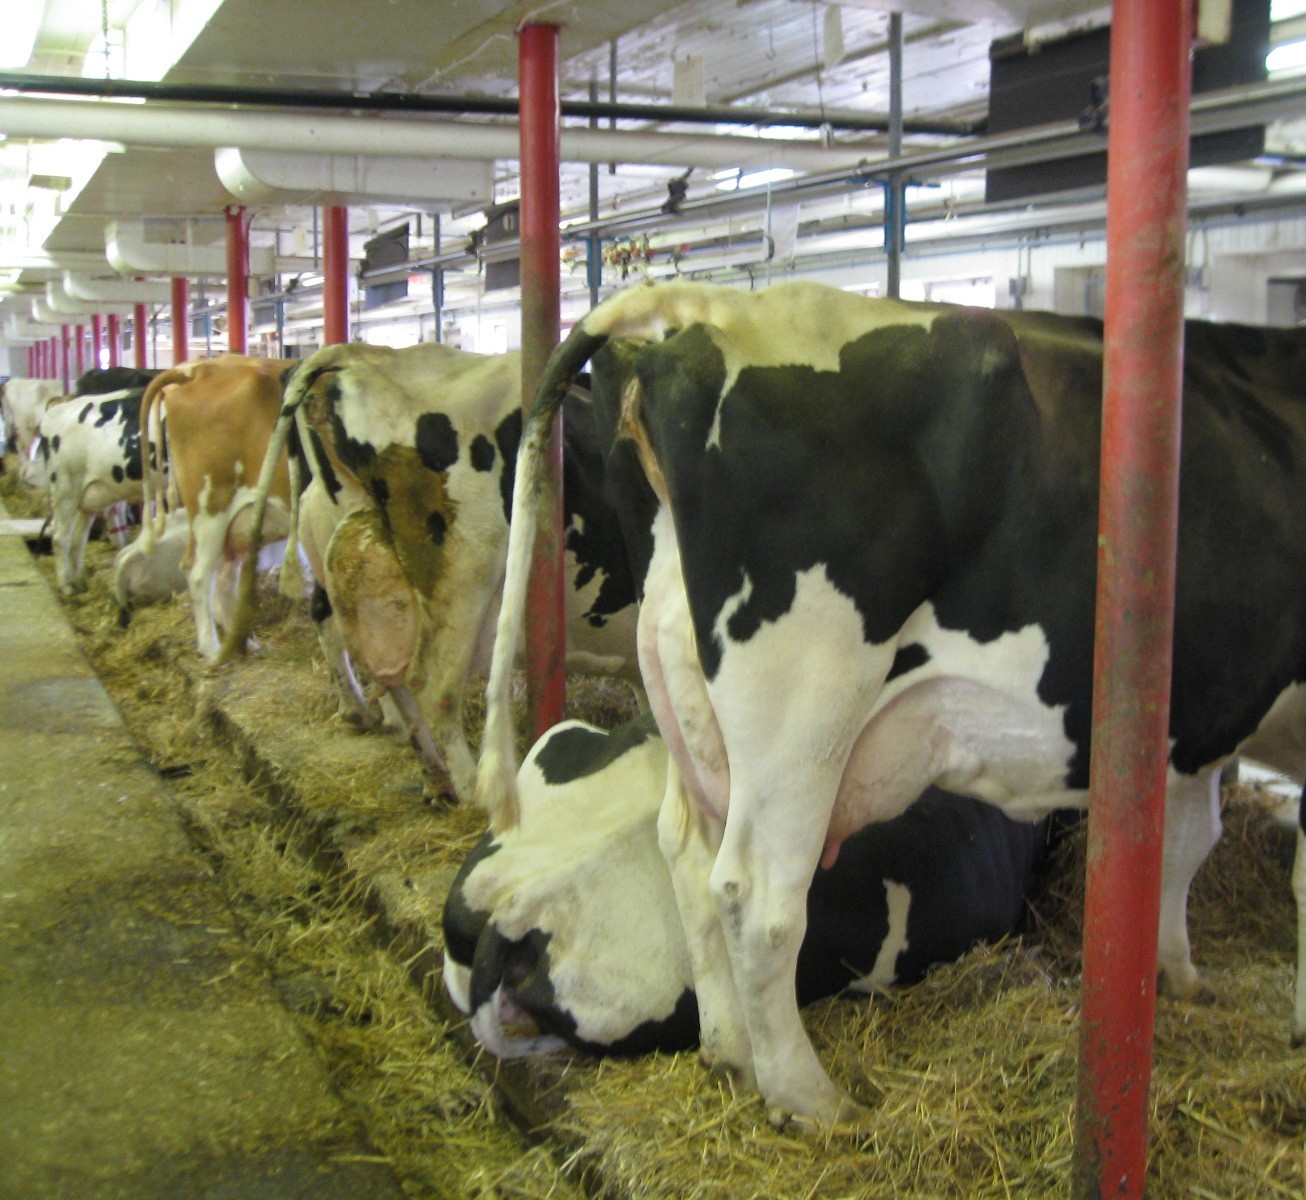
column 1298, row 1040
column 846, row 1118
column 1185, row 984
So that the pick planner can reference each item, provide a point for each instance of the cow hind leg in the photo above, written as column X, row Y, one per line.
column 70, row 528
column 1192, row 827
column 773, row 839
column 689, row 842
column 209, row 535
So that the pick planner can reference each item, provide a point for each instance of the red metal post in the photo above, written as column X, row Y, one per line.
column 1146, row 206
column 79, row 354
column 180, row 319
column 335, row 274
column 540, row 116
column 65, row 339
column 52, row 358
column 237, row 279
column 115, row 340
column 97, row 338
column 31, row 362
column 139, row 322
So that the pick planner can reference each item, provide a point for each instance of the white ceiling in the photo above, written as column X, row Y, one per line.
column 828, row 56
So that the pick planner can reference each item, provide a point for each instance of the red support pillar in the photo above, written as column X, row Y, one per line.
column 79, row 354
column 180, row 319
column 237, row 279
column 540, row 118
column 115, row 340
column 65, row 338
column 335, row 274
column 97, row 338
column 139, row 322
column 1146, row 201
column 52, row 358
column 31, row 362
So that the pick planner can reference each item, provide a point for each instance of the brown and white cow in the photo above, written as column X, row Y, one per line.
column 220, row 414
column 412, row 454
column 871, row 530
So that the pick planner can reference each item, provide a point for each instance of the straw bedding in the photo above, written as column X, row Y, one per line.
column 338, row 863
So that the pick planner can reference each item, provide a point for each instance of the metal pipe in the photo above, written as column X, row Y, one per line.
column 593, row 264
column 537, row 57
column 335, row 274
column 237, row 279
column 407, row 102
column 894, row 190
column 1151, row 78
column 176, row 125
column 180, row 319
column 115, row 340
column 138, row 337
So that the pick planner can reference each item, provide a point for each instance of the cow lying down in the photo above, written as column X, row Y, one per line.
column 145, row 574
column 567, row 924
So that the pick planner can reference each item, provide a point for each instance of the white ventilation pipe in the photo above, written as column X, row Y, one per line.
column 61, row 302
column 173, row 125
column 43, row 314
column 114, row 291
column 130, row 254
column 258, row 176
column 19, row 330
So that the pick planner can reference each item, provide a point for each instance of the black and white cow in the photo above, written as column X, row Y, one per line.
column 871, row 536
column 406, row 529
column 569, row 918
column 91, row 453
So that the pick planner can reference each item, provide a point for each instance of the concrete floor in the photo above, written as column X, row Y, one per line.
column 143, row 1052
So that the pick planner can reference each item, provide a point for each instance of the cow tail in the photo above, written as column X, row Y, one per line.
column 292, row 577
column 242, row 617
column 496, row 775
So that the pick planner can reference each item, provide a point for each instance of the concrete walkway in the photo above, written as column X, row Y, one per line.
column 143, row 1052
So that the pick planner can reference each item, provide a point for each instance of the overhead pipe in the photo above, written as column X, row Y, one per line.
column 260, row 176
column 537, row 84
column 60, row 301
column 175, row 126
column 85, row 289
column 237, row 279
column 409, row 102
column 1147, row 163
column 130, row 254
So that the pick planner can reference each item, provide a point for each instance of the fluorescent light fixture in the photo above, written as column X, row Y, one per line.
column 22, row 24
column 733, row 179
column 1291, row 56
